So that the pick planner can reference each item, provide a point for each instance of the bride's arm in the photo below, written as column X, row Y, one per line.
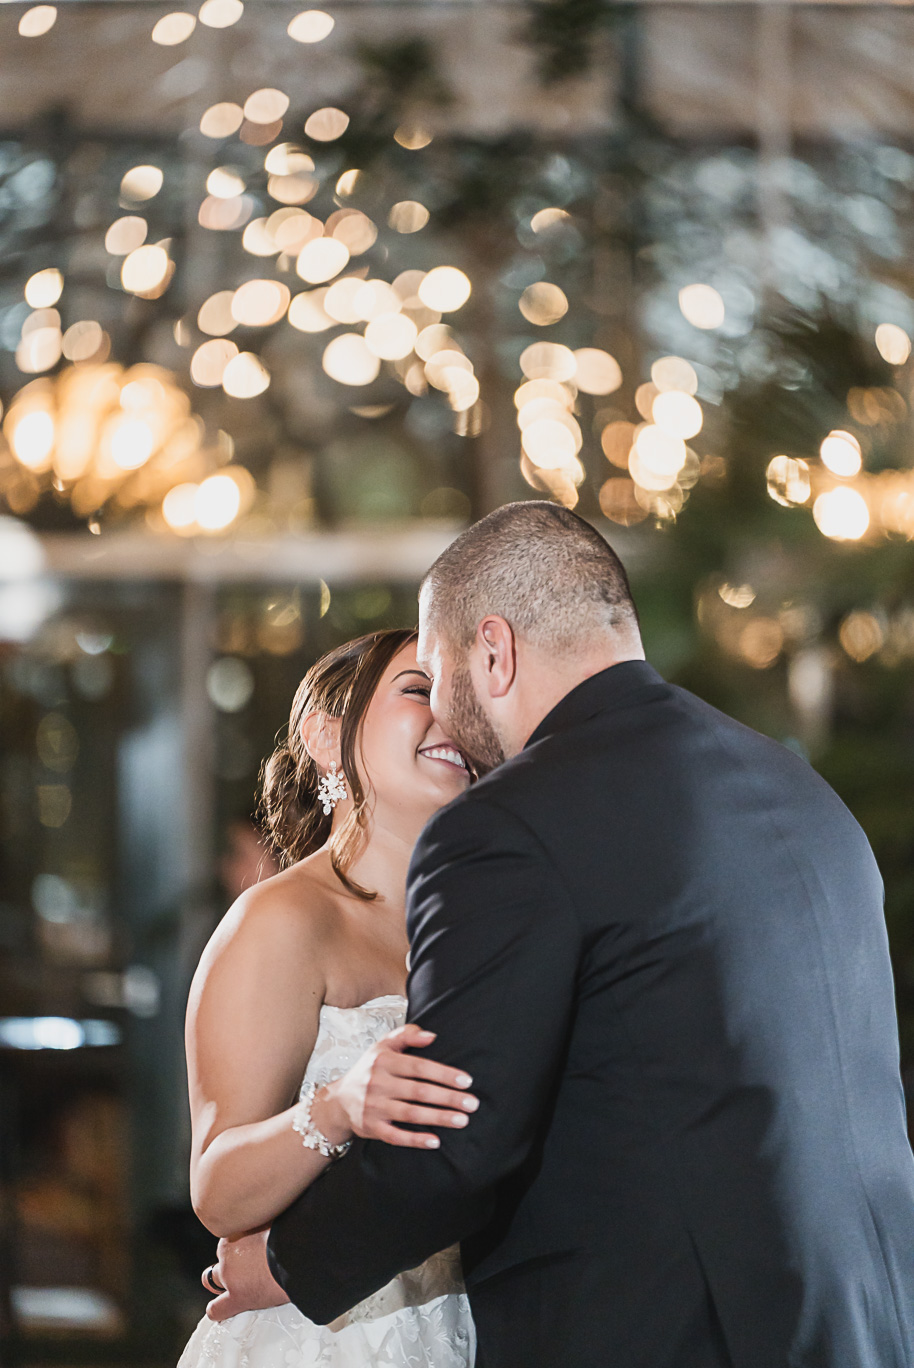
column 252, row 1021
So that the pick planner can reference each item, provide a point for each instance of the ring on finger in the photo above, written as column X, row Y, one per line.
column 209, row 1280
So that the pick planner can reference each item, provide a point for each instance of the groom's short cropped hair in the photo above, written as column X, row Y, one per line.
column 543, row 569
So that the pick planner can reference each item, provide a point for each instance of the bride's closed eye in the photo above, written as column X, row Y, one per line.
column 422, row 690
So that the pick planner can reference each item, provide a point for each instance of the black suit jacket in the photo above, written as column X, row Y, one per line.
column 656, row 941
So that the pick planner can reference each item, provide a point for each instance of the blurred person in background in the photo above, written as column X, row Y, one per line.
column 305, row 978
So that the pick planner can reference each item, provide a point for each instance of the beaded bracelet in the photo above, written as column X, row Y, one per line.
column 311, row 1137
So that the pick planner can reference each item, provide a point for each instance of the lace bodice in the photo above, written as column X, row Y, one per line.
column 419, row 1320
column 345, row 1033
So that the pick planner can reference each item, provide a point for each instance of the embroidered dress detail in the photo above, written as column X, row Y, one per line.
column 420, row 1320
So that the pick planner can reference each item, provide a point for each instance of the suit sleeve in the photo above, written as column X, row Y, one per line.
column 494, row 960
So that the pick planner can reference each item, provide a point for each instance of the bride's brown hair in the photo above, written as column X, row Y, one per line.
column 342, row 685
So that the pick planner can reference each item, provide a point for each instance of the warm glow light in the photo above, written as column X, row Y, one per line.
column 674, row 373
column 408, row 216
column 788, row 480
column 321, row 260
column 543, row 389
column 542, row 304
column 544, row 219
column 840, row 452
column 439, row 366
column 219, row 14
column 142, row 182
column 548, row 361
column 374, row 298
column 340, row 300
column 841, row 514
column 223, row 215
column 324, row 125
column 893, row 344
column 266, row 106
column 292, row 189
column 549, row 445
column 245, row 376
column 208, row 363
column 258, row 240
column 311, row 26
column 39, row 349
column 616, row 440
column 288, row 160
column 462, row 389
column 217, row 503
column 349, row 360
column 173, row 28
column 391, row 336
column 307, row 313
column 258, row 303
column 597, row 372
column 33, row 438
column 224, row 183
column 656, row 459
column 444, row 289
column 222, row 120
column 862, row 635
column 347, row 183
column 702, row 306
column 44, row 288
column 132, row 443
column 37, row 20
column 125, row 235
column 737, row 595
column 145, row 269
column 677, row 413
column 83, row 340
column 412, row 137
column 215, row 317
column 178, row 507
column 290, row 229
column 354, row 229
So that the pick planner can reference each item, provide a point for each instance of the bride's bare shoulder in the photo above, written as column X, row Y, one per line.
column 284, row 921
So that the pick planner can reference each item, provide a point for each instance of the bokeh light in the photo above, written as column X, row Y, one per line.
column 311, row 26
column 788, row 480
column 702, row 306
column 321, row 259
column 222, row 120
column 445, row 289
column 543, row 304
column 893, row 344
column 349, row 360
column 142, row 182
column 38, row 20
column 596, row 371
column 174, row 28
column 326, row 125
column 266, row 106
column 220, row 14
column 841, row 514
column 44, row 288
column 840, row 453
column 245, row 376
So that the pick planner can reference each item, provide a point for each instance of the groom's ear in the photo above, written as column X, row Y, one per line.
column 320, row 734
column 497, row 653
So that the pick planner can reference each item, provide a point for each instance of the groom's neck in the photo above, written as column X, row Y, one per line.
column 543, row 681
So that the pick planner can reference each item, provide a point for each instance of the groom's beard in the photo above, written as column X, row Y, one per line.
column 470, row 727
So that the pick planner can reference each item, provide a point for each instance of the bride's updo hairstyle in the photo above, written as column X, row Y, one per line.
column 342, row 685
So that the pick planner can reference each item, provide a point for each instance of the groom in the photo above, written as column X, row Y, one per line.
column 656, row 941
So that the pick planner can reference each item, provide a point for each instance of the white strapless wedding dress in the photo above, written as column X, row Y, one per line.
column 420, row 1320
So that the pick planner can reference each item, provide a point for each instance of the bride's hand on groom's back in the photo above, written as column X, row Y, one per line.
column 389, row 1089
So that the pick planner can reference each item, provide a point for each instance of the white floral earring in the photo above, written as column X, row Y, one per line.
column 332, row 789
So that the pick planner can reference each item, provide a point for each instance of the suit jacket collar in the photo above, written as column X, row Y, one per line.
column 602, row 692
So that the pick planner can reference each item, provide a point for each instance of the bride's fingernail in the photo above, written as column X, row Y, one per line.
column 470, row 1103
column 464, row 1080
column 433, row 1142
column 458, row 1120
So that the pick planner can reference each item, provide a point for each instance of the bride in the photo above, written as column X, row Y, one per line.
column 304, row 979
